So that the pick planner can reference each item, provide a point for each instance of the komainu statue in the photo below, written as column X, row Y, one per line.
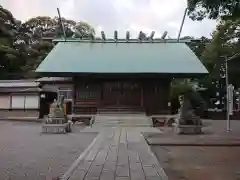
column 188, row 122
column 57, row 112
column 56, row 121
column 187, row 115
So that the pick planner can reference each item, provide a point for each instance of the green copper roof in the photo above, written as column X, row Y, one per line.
column 87, row 57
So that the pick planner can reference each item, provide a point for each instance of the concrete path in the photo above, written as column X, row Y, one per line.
column 117, row 154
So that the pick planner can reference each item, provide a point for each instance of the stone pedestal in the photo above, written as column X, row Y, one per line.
column 188, row 129
column 56, row 122
column 56, row 125
column 56, row 128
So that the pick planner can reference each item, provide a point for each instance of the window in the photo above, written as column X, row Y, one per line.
column 25, row 102
column 87, row 94
column 66, row 93
column 5, row 102
column 18, row 102
column 31, row 102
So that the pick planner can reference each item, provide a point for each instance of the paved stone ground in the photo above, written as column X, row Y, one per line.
column 26, row 154
column 120, row 154
column 200, row 162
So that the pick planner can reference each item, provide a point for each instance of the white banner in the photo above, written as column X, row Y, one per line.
column 230, row 99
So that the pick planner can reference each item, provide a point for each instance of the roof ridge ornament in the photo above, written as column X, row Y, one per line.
column 123, row 40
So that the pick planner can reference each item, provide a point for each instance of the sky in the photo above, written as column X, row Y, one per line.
column 121, row 15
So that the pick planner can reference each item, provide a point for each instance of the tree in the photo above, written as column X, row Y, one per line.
column 43, row 26
column 11, row 53
column 197, row 45
column 213, row 9
column 83, row 30
column 23, row 45
column 225, row 43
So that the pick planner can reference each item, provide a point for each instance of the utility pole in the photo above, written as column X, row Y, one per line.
column 227, row 94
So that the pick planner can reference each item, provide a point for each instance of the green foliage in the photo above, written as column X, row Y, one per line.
column 179, row 87
column 225, row 43
column 83, row 30
column 213, row 9
column 22, row 46
column 187, row 88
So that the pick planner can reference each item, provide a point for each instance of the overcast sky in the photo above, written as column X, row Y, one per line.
column 121, row 15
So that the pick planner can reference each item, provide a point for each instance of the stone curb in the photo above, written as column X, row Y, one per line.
column 227, row 144
column 21, row 120
column 74, row 166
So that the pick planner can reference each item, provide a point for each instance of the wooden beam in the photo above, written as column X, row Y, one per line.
column 164, row 35
column 92, row 37
column 103, row 35
column 61, row 23
column 181, row 27
column 127, row 35
column 116, row 35
column 142, row 97
column 140, row 35
column 152, row 35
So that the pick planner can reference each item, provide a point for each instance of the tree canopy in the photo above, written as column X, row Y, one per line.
column 213, row 9
column 23, row 45
column 224, row 44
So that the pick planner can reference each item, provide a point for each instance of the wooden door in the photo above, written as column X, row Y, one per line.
column 122, row 94
column 111, row 93
column 130, row 94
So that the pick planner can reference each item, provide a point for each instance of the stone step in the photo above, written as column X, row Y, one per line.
column 124, row 125
column 143, row 122
column 122, row 121
column 121, row 110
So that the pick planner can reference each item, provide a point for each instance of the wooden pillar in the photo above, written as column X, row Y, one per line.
column 142, row 100
column 74, row 80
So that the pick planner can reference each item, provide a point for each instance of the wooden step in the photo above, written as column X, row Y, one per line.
column 121, row 110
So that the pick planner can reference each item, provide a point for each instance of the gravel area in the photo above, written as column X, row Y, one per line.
column 214, row 134
column 199, row 163
column 26, row 154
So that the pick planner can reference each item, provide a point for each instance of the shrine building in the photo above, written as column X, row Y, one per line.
column 112, row 74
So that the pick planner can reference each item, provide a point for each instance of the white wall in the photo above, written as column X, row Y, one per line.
column 18, row 102
column 5, row 101
column 25, row 102
column 31, row 102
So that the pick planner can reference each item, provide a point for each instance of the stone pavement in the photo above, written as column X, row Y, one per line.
column 117, row 154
